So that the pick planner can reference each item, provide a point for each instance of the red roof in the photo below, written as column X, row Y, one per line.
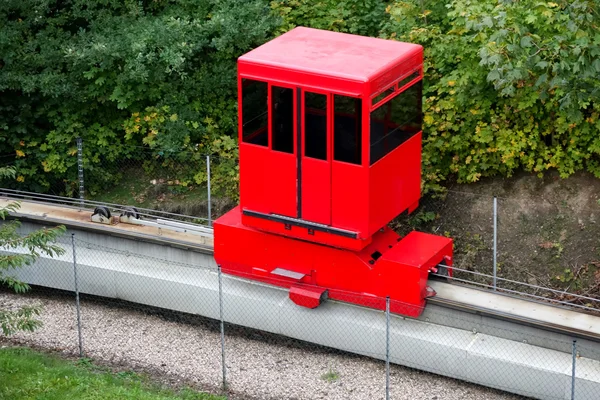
column 331, row 53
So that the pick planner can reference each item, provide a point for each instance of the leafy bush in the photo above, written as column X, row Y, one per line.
column 119, row 73
column 509, row 85
column 361, row 17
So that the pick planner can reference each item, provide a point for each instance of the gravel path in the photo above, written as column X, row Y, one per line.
column 182, row 350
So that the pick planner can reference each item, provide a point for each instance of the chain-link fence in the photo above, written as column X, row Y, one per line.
column 171, row 311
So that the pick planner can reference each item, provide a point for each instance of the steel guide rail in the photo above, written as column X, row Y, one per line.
column 18, row 195
column 73, row 217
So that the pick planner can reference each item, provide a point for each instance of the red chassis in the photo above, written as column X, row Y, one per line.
column 388, row 266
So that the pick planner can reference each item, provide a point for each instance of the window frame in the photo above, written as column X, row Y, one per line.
column 361, row 125
column 397, row 89
column 241, row 113
column 294, row 115
column 328, row 127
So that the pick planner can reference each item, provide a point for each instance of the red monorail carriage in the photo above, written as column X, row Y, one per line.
column 330, row 153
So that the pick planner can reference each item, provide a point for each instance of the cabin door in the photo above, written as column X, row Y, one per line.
column 314, row 156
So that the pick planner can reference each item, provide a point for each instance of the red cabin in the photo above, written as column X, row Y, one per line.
column 330, row 153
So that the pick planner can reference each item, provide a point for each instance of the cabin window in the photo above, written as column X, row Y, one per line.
column 383, row 95
column 282, row 119
column 254, row 112
column 315, row 125
column 408, row 79
column 347, row 129
column 395, row 121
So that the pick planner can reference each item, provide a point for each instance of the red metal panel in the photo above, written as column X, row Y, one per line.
column 394, row 183
column 254, row 172
column 316, row 190
column 279, row 184
column 349, row 199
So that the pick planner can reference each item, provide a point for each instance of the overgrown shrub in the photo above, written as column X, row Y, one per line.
column 120, row 73
column 509, row 85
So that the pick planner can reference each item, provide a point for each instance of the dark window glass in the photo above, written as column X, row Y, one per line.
column 282, row 119
column 315, row 125
column 396, row 121
column 254, row 112
column 383, row 95
column 408, row 79
column 347, row 128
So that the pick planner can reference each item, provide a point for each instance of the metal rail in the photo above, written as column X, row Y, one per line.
column 544, row 299
column 437, row 300
column 494, row 286
column 76, row 204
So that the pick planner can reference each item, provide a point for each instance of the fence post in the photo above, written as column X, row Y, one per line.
column 80, row 170
column 387, row 348
column 222, row 330
column 208, row 188
column 77, row 296
column 574, row 363
column 495, row 238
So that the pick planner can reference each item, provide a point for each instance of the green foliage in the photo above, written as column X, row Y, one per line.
column 99, row 70
column 28, row 248
column 508, row 85
column 362, row 17
column 26, row 374
column 422, row 218
column 330, row 376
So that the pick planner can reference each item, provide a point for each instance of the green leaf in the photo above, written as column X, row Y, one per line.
column 526, row 41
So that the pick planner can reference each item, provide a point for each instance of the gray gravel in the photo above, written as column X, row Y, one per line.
column 182, row 352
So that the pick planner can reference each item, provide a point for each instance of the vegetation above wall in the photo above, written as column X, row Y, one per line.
column 509, row 85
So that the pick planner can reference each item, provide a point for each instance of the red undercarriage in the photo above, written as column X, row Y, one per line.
column 388, row 266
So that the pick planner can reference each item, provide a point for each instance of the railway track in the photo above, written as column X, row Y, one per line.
column 553, row 317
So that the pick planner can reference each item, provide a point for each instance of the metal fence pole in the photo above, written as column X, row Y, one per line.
column 80, row 170
column 77, row 296
column 574, row 363
column 387, row 348
column 222, row 330
column 495, row 238
column 208, row 189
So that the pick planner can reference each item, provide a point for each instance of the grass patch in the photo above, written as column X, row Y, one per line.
column 330, row 376
column 26, row 374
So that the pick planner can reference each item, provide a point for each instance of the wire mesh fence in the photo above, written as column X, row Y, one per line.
column 586, row 370
column 173, row 310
